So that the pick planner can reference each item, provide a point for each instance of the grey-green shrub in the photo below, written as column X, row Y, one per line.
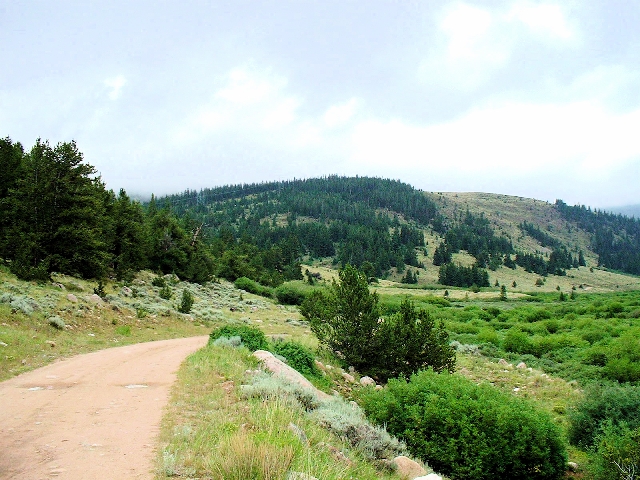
column 466, row 430
column 57, row 322
column 234, row 342
column 269, row 387
column 348, row 422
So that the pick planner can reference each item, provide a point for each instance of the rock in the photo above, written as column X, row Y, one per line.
column 51, row 343
column 126, row 291
column 95, row 299
column 573, row 467
column 408, row 469
column 352, row 370
column 521, row 366
column 2, row 344
column 348, row 377
column 59, row 285
column 366, row 381
column 378, row 387
column 72, row 298
column 281, row 369
column 503, row 362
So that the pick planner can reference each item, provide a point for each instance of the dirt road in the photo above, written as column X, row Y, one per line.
column 94, row 416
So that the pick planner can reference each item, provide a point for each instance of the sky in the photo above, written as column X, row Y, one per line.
column 517, row 97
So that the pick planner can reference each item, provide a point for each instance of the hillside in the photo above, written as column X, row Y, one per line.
column 393, row 231
column 56, row 216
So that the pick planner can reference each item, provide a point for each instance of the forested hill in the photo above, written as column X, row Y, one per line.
column 57, row 215
column 376, row 224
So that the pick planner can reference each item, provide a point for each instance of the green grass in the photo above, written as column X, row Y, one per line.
column 211, row 431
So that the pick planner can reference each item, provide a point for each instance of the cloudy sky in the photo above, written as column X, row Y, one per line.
column 536, row 99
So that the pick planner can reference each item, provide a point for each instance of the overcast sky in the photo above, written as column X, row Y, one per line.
column 536, row 99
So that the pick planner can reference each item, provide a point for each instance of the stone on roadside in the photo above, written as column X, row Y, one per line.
column 408, row 469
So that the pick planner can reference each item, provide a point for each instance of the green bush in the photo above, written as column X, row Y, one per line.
column 158, row 282
column 252, row 337
column 251, row 286
column 165, row 292
column 289, row 295
column 187, row 302
column 466, row 430
column 617, row 454
column 516, row 341
column 298, row 356
column 603, row 405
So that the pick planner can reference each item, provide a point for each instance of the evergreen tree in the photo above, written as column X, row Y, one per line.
column 57, row 207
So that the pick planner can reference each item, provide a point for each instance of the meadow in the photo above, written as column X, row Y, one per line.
column 540, row 346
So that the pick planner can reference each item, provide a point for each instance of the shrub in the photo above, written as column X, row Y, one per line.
column 187, row 302
column 248, row 285
column 466, row 430
column 233, row 342
column 56, row 322
column 297, row 356
column 165, row 292
column 600, row 406
column 288, row 295
column 348, row 421
column 252, row 337
column 159, row 282
column 617, row 454
column 516, row 341
column 268, row 387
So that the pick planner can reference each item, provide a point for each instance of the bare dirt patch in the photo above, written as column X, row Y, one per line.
column 93, row 416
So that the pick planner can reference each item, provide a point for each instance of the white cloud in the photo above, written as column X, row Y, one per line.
column 247, row 87
column 115, row 85
column 338, row 115
column 474, row 42
column 508, row 140
column 546, row 20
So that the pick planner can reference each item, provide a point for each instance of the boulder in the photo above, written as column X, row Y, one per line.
column 366, row 381
column 521, row 366
column 95, row 299
column 72, row 298
column 503, row 362
column 281, row 369
column 348, row 377
column 408, row 469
